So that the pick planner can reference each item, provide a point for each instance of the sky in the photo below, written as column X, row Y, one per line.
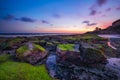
column 57, row 16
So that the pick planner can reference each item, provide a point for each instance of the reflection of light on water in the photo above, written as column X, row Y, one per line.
column 114, row 62
column 109, row 44
column 110, row 37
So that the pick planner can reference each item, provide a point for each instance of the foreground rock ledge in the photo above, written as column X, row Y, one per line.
column 31, row 53
column 79, row 55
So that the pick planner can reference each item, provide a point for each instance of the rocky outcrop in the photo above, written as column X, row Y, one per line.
column 80, row 55
column 64, row 70
column 31, row 53
column 69, row 52
column 93, row 56
column 113, row 29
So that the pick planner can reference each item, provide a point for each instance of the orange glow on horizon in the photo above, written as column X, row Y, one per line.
column 70, row 29
column 77, row 31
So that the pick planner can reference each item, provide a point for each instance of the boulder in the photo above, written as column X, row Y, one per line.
column 31, row 53
column 80, row 55
column 93, row 56
column 69, row 53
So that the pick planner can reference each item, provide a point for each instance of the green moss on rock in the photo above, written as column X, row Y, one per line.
column 15, row 41
column 20, row 51
column 66, row 47
column 90, row 36
column 93, row 55
column 11, row 70
column 31, row 53
column 4, row 57
column 36, row 46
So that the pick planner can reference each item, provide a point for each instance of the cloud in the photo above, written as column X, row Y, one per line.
column 101, row 2
column 56, row 16
column 92, row 24
column 95, row 6
column 118, row 8
column 9, row 17
column 44, row 21
column 26, row 19
column 88, row 23
column 103, row 15
column 93, row 12
column 85, row 21
column 108, row 9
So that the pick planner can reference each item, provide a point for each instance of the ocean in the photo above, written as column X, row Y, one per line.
column 30, row 34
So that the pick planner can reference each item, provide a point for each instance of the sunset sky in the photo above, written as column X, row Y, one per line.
column 57, row 16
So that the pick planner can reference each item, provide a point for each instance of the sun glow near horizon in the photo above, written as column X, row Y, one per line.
column 55, row 16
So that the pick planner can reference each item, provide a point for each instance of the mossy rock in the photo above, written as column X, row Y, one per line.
column 90, row 36
column 16, row 42
column 49, row 44
column 36, row 46
column 31, row 54
column 21, row 50
column 91, row 55
column 66, row 47
column 11, row 70
column 42, row 41
column 56, row 42
column 4, row 46
column 4, row 58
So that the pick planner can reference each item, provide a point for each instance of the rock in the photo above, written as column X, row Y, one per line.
column 69, row 52
column 50, row 46
column 92, row 56
column 80, row 55
column 73, row 72
column 31, row 53
column 113, row 29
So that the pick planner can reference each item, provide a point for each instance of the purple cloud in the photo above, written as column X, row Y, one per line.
column 44, row 21
column 88, row 23
column 92, row 24
column 93, row 12
column 23, row 19
column 103, row 15
column 101, row 2
column 56, row 16
column 118, row 8
column 26, row 19
column 9, row 17
column 108, row 9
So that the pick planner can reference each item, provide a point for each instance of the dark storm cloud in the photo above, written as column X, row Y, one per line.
column 26, row 19
column 88, row 23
